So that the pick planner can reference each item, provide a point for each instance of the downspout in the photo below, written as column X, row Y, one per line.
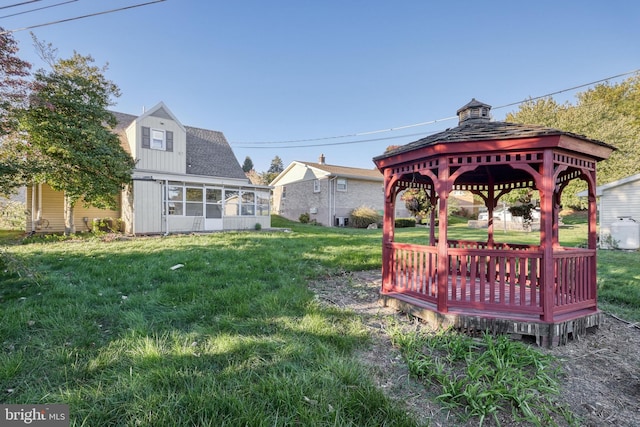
column 332, row 197
column 165, row 195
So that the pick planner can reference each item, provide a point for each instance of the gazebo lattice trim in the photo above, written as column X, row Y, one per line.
column 545, row 285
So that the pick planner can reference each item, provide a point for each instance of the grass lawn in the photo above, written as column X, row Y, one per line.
column 233, row 337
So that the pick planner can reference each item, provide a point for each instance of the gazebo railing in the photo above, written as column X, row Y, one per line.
column 507, row 278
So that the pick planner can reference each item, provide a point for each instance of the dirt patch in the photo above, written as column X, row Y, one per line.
column 601, row 380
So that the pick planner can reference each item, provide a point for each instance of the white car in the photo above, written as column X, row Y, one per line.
column 505, row 215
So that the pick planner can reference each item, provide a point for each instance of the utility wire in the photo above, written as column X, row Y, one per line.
column 36, row 9
column 80, row 17
column 19, row 4
column 360, row 141
column 354, row 135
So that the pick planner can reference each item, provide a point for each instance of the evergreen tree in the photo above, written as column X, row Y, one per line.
column 274, row 170
column 247, row 166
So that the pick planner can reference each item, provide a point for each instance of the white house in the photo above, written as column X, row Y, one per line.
column 185, row 179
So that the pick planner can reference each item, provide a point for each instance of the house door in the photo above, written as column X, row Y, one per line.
column 213, row 209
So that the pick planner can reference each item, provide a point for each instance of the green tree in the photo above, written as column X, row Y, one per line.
column 14, row 88
column 417, row 202
column 247, row 166
column 69, row 131
column 274, row 170
column 608, row 113
column 276, row 165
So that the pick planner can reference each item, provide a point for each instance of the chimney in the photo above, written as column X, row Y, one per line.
column 474, row 112
column 321, row 159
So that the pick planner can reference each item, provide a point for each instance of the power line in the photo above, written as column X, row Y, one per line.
column 345, row 142
column 19, row 4
column 80, row 17
column 354, row 135
column 36, row 9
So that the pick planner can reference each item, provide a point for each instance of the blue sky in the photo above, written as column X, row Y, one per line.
column 304, row 70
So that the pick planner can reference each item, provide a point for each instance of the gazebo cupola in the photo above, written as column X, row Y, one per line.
column 474, row 112
column 544, row 289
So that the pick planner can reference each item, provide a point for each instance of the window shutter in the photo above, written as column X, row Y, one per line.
column 169, row 136
column 146, row 137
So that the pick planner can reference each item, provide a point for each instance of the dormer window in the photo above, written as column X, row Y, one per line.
column 158, row 141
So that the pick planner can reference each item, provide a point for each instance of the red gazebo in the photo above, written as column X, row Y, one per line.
column 546, row 290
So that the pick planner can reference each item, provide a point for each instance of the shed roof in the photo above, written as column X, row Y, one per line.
column 611, row 185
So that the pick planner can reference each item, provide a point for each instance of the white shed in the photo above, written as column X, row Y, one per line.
column 617, row 200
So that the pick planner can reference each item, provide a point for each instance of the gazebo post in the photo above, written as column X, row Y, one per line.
column 388, row 230
column 491, row 203
column 592, row 242
column 442, row 187
column 546, row 234
column 432, row 218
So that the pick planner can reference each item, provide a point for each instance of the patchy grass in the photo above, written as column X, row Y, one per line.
column 233, row 337
column 486, row 377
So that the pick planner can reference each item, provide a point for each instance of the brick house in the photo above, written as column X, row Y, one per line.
column 328, row 193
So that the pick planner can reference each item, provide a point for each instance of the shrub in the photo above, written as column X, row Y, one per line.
column 258, row 226
column 12, row 216
column 304, row 218
column 363, row 216
column 108, row 225
column 405, row 222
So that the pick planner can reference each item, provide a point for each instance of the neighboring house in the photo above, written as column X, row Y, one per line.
column 619, row 207
column 328, row 193
column 185, row 179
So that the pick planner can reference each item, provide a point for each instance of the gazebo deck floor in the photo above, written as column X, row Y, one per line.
column 519, row 325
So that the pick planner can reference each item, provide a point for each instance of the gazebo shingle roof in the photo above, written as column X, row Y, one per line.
column 485, row 131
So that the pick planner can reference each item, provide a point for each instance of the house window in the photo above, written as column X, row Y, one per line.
column 248, row 203
column 316, row 185
column 158, row 140
column 214, row 202
column 341, row 184
column 231, row 202
column 194, row 203
column 284, row 192
column 185, row 200
column 262, row 203
column 174, row 200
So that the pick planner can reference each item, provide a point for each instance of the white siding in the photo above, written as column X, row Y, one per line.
column 622, row 200
column 159, row 160
column 147, row 207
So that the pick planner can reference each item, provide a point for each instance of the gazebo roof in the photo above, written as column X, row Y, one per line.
column 485, row 130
